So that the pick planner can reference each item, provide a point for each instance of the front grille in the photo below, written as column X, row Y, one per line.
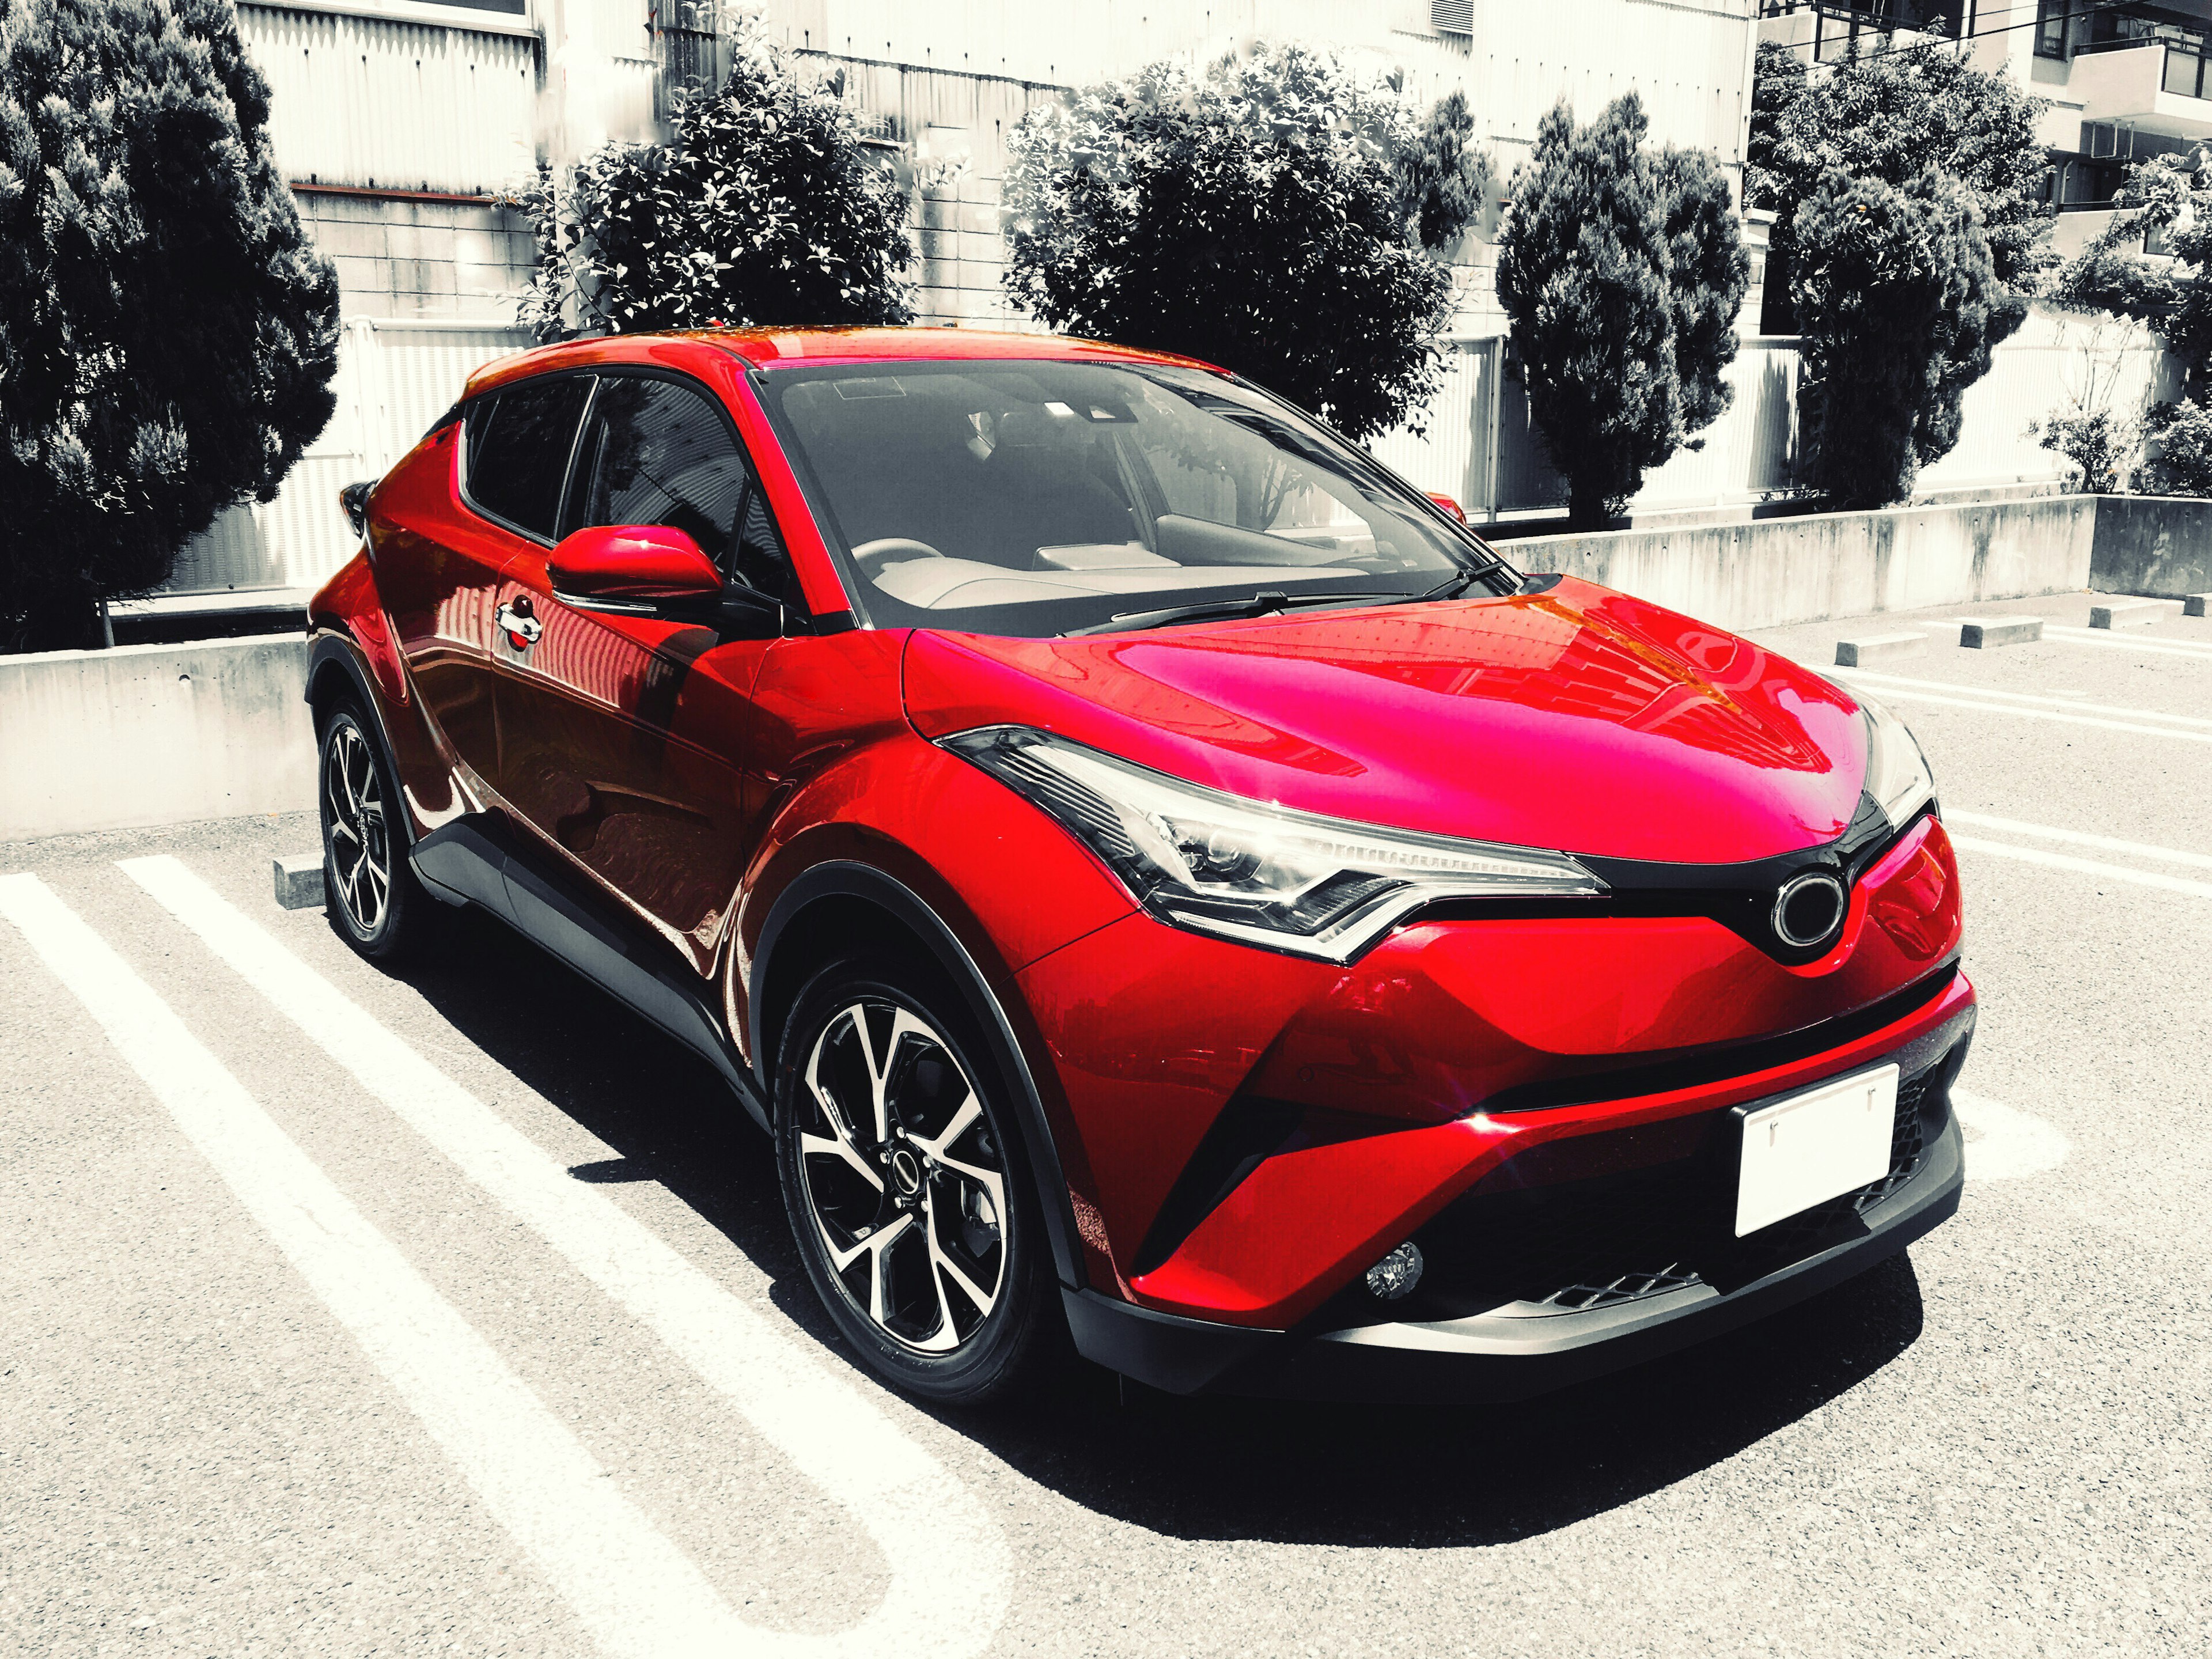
column 1542, row 1233
column 1631, row 1286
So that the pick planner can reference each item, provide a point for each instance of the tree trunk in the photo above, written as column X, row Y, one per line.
column 1586, row 506
column 58, row 621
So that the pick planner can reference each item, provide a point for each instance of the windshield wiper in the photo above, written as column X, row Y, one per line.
column 1455, row 584
column 1259, row 605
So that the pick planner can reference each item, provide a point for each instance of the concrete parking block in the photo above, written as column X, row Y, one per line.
column 1879, row 647
column 300, row 881
column 1982, row 633
column 2197, row 604
column 2130, row 613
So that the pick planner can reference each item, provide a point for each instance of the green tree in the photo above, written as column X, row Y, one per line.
column 766, row 209
column 1622, row 271
column 2171, row 290
column 1270, row 213
column 1442, row 173
column 167, row 334
column 1890, row 115
column 1897, row 292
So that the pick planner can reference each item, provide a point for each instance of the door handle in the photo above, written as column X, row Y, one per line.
column 516, row 618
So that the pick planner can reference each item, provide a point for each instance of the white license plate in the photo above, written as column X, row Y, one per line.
column 1814, row 1146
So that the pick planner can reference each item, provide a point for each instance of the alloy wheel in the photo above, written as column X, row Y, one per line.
column 359, row 839
column 903, row 1175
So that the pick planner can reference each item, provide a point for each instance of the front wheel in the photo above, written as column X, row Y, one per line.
column 903, row 1177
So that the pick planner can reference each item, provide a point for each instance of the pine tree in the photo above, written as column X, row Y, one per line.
column 1896, row 291
column 167, row 334
column 1889, row 115
column 1622, row 271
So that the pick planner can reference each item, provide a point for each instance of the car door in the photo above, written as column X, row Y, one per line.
column 440, row 583
column 625, row 737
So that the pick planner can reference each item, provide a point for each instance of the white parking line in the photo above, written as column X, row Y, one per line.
column 2004, row 1143
column 2084, row 866
column 637, row 1594
column 2078, row 837
column 1894, row 691
column 1903, row 683
column 2158, row 647
column 949, row 1567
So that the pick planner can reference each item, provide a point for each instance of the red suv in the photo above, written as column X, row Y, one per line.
column 1161, row 880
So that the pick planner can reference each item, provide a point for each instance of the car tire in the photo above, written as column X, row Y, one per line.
column 920, row 1229
column 370, row 889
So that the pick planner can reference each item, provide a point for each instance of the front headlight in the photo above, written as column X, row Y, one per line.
column 1266, row 875
column 1897, row 772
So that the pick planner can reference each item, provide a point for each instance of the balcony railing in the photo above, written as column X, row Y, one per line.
column 2185, row 73
column 2182, row 73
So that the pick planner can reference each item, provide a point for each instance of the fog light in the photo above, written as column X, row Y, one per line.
column 1392, row 1278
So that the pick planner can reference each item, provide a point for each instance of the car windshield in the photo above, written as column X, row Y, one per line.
column 1039, row 498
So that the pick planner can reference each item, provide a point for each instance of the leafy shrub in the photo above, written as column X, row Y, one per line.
column 1268, row 213
column 766, row 210
column 1622, row 270
column 2181, row 463
column 167, row 334
column 1894, row 288
column 2101, row 442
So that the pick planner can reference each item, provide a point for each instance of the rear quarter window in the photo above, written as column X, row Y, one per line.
column 518, row 446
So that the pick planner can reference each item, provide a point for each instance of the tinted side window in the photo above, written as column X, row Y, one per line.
column 657, row 452
column 517, row 464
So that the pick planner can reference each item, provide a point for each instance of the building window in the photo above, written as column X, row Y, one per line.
column 1452, row 16
column 2051, row 27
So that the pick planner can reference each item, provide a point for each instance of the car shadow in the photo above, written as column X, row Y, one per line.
column 1212, row 1468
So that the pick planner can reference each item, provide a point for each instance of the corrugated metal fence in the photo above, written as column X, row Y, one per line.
column 374, row 102
column 395, row 377
column 1481, row 448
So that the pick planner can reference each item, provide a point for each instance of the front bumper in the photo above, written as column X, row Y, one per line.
column 1629, row 1298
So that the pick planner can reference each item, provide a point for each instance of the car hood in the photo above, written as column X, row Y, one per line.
column 1578, row 719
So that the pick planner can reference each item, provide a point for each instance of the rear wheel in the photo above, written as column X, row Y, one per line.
column 370, row 890
column 903, row 1175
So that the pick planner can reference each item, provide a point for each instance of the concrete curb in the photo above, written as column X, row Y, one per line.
column 1984, row 633
column 1870, row 648
column 2131, row 613
column 299, row 878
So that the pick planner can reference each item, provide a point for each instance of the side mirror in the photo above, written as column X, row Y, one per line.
column 353, row 501
column 1448, row 506
column 633, row 570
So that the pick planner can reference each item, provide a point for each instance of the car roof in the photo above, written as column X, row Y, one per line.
column 772, row 348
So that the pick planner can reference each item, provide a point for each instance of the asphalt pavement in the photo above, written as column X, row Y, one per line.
column 351, row 1313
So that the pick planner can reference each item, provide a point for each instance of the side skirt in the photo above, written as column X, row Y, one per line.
column 474, row 861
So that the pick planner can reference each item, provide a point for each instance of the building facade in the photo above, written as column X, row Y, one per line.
column 401, row 124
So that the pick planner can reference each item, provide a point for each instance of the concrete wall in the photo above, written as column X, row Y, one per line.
column 2159, row 545
column 1778, row 571
column 398, row 257
column 153, row 734
column 163, row 734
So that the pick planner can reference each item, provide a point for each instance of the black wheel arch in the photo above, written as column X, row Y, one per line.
column 335, row 672
column 855, row 888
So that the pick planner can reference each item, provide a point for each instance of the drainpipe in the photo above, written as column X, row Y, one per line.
column 1497, row 488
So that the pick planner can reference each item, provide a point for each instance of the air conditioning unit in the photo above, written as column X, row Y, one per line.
column 1452, row 16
